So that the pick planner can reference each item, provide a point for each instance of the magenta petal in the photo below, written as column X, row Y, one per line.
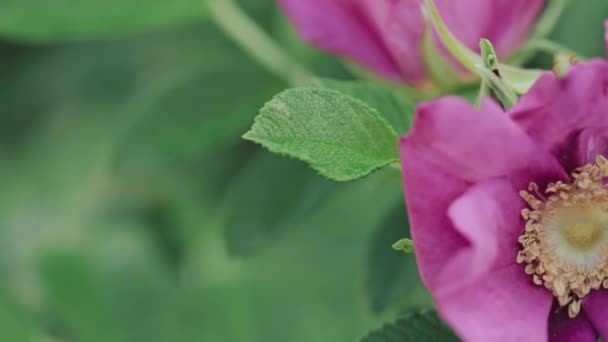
column 477, row 144
column 484, row 295
column 451, row 146
column 434, row 238
column 337, row 26
column 565, row 329
column 510, row 23
column 592, row 142
column 595, row 305
column 488, row 217
column 554, row 109
column 503, row 306
column 385, row 35
column 401, row 28
column 504, row 22
column 480, row 290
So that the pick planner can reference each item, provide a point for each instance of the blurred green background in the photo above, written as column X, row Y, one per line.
column 131, row 209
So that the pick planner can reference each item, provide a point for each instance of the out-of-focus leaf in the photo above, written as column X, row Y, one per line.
column 394, row 107
column 151, row 77
column 581, row 27
column 339, row 136
column 14, row 326
column 316, row 268
column 39, row 20
column 270, row 197
column 208, row 110
column 85, row 106
column 116, row 288
column 392, row 277
column 162, row 96
column 416, row 327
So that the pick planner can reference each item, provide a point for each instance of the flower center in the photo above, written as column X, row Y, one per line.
column 580, row 227
column 565, row 241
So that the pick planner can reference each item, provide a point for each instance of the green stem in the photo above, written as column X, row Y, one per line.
column 544, row 26
column 546, row 23
column 464, row 55
column 552, row 47
column 251, row 38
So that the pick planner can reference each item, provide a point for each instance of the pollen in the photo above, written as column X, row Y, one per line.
column 564, row 244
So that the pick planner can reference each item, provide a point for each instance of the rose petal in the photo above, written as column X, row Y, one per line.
column 503, row 306
column 584, row 147
column 565, row 329
column 477, row 144
column 385, row 35
column 555, row 109
column 510, row 22
column 488, row 217
column 337, row 27
column 429, row 192
column 451, row 146
column 401, row 27
column 484, row 295
column 595, row 305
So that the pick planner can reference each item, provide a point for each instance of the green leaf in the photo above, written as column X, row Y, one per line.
column 196, row 116
column 420, row 326
column 341, row 137
column 14, row 324
column 404, row 245
column 169, row 94
column 583, row 19
column 392, row 277
column 269, row 198
column 98, row 290
column 394, row 107
column 320, row 259
column 91, row 122
column 41, row 20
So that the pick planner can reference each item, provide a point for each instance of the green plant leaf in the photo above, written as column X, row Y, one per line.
column 14, row 324
column 341, row 137
column 404, row 245
column 392, row 276
column 270, row 197
column 98, row 290
column 90, row 125
column 583, row 19
column 394, row 107
column 316, row 268
column 40, row 20
column 420, row 326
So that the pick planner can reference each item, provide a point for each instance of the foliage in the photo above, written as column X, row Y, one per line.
column 424, row 326
column 340, row 137
column 132, row 209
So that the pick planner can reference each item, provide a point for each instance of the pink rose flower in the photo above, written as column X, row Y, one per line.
column 386, row 35
column 509, row 211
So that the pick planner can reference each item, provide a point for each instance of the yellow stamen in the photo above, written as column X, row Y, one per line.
column 564, row 243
